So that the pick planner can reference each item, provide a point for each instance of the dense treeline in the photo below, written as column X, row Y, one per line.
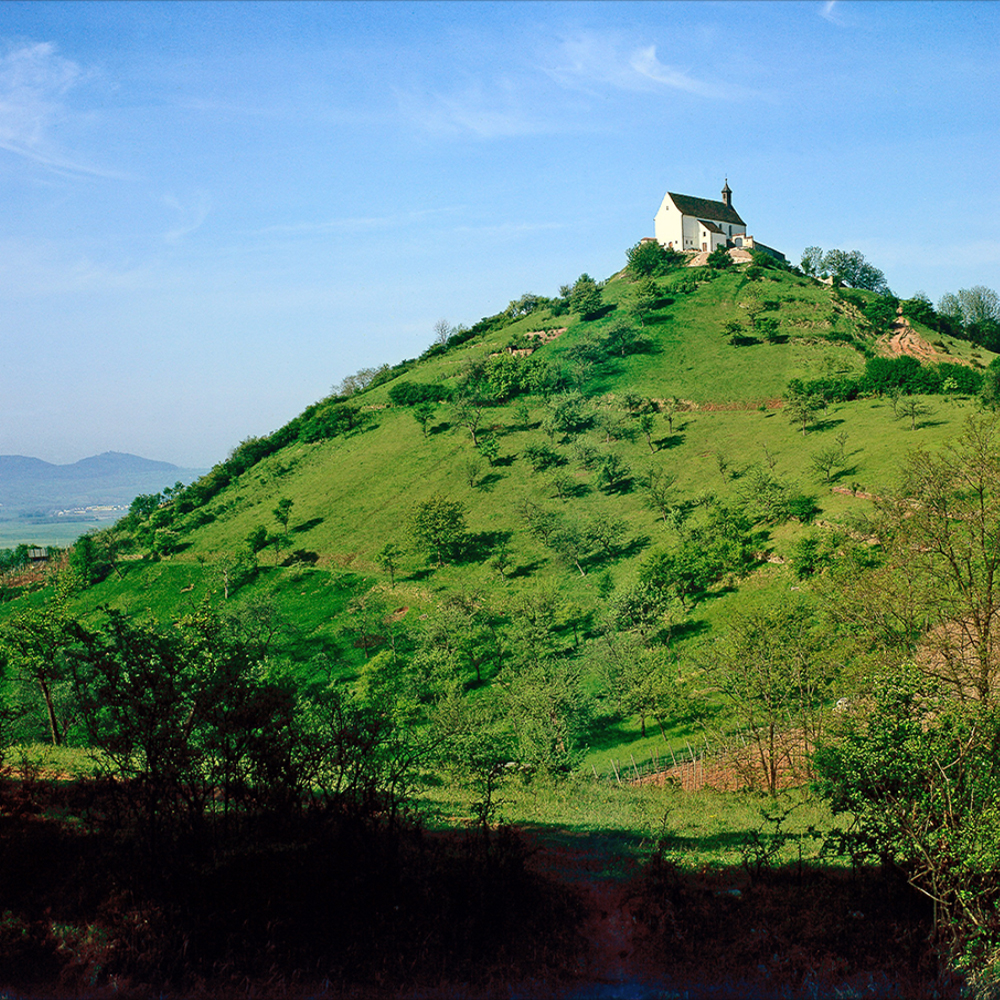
column 903, row 375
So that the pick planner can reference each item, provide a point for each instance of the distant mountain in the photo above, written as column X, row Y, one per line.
column 14, row 468
column 99, row 488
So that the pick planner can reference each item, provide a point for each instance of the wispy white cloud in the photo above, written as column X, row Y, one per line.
column 493, row 112
column 508, row 230
column 44, row 268
column 646, row 64
column 828, row 10
column 355, row 224
column 590, row 61
column 34, row 80
column 191, row 214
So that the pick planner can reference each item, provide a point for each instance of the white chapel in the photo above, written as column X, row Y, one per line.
column 686, row 223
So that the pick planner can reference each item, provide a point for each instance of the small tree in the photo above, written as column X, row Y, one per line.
column 771, row 670
column 613, row 474
column 586, row 298
column 913, row 409
column 825, row 461
column 659, row 492
column 282, row 512
column 472, row 467
column 469, row 412
column 256, row 541
column 606, row 531
column 621, row 337
column 719, row 258
column 647, row 424
column 801, row 407
column 489, row 448
column 388, row 558
column 439, row 523
column 648, row 258
column 770, row 328
column 423, row 413
column 642, row 299
column 33, row 645
column 442, row 331
column 752, row 306
column 812, row 261
column 670, row 408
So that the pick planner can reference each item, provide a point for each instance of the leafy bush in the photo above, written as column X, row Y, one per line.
column 411, row 393
column 648, row 258
column 541, row 457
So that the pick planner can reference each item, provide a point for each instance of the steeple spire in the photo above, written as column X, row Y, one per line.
column 727, row 195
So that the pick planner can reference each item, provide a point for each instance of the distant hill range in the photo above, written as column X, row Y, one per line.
column 99, row 488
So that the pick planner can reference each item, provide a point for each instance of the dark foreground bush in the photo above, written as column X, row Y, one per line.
column 796, row 931
column 333, row 900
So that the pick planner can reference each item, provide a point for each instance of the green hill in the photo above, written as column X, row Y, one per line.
column 588, row 539
column 572, row 457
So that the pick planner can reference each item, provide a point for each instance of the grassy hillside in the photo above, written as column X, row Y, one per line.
column 717, row 426
column 600, row 576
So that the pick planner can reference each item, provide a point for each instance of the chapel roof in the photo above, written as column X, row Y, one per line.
column 702, row 208
column 710, row 226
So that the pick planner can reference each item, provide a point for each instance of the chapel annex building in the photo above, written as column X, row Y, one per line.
column 688, row 223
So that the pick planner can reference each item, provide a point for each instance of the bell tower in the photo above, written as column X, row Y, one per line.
column 727, row 195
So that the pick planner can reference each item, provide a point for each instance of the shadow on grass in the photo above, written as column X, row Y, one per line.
column 670, row 441
column 621, row 486
column 525, row 569
column 688, row 628
column 632, row 548
column 489, row 480
column 305, row 526
column 479, row 545
column 607, row 732
column 573, row 490
column 825, row 425
column 840, row 474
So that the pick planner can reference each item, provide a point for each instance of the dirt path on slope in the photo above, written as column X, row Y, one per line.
column 902, row 339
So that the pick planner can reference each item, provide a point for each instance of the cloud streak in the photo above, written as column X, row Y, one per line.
column 486, row 113
column 356, row 224
column 647, row 65
column 590, row 62
column 191, row 215
column 34, row 79
column 829, row 12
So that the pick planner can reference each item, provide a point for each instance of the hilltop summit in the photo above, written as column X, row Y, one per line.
column 685, row 222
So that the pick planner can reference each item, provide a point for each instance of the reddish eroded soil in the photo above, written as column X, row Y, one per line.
column 902, row 340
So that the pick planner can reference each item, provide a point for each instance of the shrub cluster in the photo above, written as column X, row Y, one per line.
column 412, row 393
column 883, row 376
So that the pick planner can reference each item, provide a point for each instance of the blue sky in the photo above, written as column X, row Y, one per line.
column 212, row 213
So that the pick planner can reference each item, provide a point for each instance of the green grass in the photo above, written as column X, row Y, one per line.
column 353, row 494
column 691, row 357
column 695, row 829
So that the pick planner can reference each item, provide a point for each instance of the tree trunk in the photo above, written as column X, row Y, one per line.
column 51, row 711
